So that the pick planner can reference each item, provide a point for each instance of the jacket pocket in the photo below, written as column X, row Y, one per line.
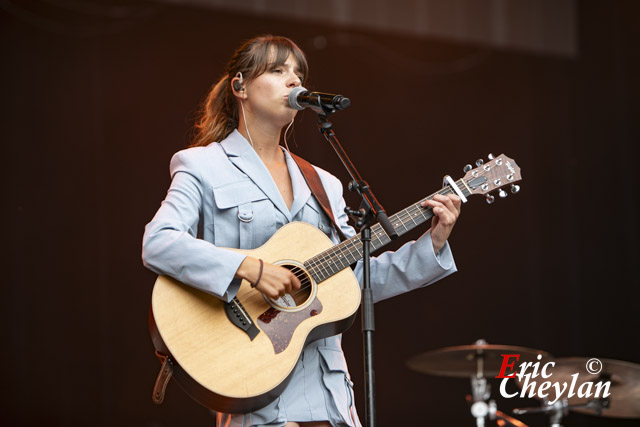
column 337, row 381
column 244, row 217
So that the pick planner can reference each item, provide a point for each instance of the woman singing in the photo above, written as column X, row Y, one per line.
column 235, row 186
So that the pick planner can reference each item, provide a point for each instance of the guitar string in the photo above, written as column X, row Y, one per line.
column 378, row 239
column 401, row 219
column 343, row 247
column 325, row 256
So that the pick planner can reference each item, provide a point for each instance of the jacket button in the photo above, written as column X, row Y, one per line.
column 245, row 216
column 321, row 227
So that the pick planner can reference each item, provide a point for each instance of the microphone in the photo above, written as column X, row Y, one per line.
column 300, row 98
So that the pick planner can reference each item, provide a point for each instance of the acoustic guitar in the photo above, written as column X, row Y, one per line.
column 237, row 357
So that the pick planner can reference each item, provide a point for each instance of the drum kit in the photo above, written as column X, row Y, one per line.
column 560, row 383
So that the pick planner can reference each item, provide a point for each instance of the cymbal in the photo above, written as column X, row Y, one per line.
column 624, row 401
column 462, row 361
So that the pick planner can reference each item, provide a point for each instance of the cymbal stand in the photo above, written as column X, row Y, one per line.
column 481, row 391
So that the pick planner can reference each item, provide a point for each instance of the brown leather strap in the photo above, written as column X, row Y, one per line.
column 166, row 371
column 317, row 189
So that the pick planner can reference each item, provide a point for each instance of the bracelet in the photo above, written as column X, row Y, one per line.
column 253, row 285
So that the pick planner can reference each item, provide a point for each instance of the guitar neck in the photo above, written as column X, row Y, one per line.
column 348, row 252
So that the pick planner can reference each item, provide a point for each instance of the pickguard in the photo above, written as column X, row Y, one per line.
column 280, row 325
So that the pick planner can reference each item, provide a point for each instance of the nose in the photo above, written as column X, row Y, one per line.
column 294, row 81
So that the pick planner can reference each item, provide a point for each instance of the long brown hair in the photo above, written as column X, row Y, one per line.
column 219, row 113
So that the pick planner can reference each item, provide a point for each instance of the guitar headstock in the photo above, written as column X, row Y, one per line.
column 498, row 172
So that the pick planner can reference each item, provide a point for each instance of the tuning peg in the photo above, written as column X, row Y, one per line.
column 479, row 162
column 515, row 188
column 490, row 198
column 490, row 156
column 467, row 168
column 502, row 193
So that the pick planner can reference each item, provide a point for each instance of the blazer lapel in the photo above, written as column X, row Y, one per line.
column 301, row 191
column 247, row 160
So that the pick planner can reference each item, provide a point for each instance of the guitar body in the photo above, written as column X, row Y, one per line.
column 216, row 362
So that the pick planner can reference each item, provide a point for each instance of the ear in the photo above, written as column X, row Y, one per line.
column 237, row 84
column 238, row 88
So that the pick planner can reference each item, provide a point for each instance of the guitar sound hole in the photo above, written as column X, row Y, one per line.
column 299, row 299
column 301, row 295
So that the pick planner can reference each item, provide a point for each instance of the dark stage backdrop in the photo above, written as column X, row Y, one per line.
column 93, row 107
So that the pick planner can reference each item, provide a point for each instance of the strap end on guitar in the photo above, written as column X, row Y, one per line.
column 166, row 371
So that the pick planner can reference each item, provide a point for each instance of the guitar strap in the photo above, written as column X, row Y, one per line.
column 317, row 189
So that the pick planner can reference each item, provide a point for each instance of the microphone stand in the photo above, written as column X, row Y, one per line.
column 370, row 208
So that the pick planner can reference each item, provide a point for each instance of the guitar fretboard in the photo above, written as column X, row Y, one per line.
column 344, row 254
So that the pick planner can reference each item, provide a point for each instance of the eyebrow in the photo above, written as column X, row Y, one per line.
column 275, row 64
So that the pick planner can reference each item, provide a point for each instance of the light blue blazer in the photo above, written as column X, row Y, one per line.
column 222, row 195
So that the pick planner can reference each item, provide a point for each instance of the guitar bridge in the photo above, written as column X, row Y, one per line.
column 239, row 317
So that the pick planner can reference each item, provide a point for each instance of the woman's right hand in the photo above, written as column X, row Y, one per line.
column 275, row 281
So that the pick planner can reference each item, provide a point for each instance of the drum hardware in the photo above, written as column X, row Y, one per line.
column 481, row 361
column 477, row 362
column 623, row 400
column 490, row 409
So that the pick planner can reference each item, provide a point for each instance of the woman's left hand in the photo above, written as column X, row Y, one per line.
column 446, row 210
